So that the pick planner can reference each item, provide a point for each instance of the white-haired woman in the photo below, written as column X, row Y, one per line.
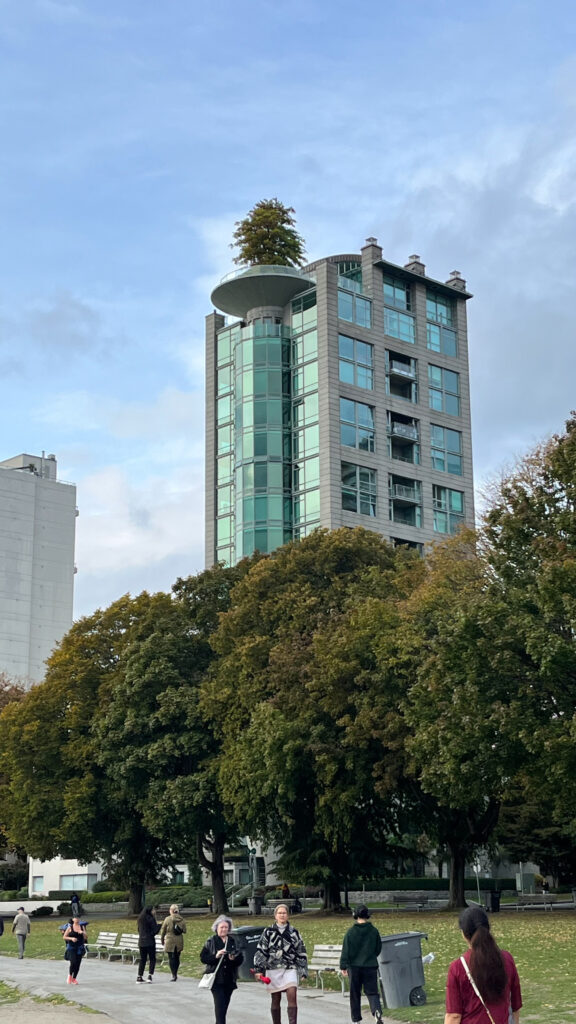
column 281, row 955
column 172, row 937
column 221, row 954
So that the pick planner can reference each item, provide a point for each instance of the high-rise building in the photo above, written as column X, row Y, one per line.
column 37, row 532
column 337, row 396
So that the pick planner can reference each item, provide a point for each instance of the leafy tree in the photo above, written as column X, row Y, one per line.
column 281, row 700
column 268, row 236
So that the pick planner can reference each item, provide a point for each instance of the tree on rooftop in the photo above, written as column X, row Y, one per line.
column 268, row 236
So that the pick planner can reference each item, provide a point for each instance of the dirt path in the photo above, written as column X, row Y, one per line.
column 27, row 1011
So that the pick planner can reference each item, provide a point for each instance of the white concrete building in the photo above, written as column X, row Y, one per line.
column 37, row 534
column 60, row 874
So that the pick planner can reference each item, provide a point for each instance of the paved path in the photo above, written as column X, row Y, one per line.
column 112, row 989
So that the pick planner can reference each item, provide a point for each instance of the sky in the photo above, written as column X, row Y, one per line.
column 133, row 134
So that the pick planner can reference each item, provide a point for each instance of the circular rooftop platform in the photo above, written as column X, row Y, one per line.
column 259, row 286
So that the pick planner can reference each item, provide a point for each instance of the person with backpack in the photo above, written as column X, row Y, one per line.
column 75, row 938
column 482, row 985
column 148, row 929
column 172, row 937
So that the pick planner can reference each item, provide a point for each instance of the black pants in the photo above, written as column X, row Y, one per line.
column 174, row 961
column 222, row 994
column 363, row 978
column 74, row 963
column 147, row 953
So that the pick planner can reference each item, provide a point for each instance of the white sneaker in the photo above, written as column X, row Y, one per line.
column 149, row 979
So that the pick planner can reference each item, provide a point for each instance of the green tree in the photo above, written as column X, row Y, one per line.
column 281, row 700
column 268, row 236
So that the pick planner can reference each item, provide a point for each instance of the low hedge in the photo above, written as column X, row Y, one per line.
column 432, row 884
column 185, row 896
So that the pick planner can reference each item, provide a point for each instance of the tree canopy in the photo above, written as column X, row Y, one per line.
column 268, row 236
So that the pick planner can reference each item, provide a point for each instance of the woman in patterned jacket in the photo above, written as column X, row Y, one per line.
column 281, row 956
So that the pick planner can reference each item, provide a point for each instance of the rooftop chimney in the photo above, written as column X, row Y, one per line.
column 415, row 265
column 456, row 281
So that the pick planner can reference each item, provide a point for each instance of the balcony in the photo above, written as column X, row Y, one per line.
column 403, row 431
column 396, row 369
column 264, row 285
column 405, row 495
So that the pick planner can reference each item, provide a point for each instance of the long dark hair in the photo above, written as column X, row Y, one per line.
column 486, row 961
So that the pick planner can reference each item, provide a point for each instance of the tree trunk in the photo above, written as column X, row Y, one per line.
column 215, row 865
column 332, row 899
column 456, row 897
column 135, row 898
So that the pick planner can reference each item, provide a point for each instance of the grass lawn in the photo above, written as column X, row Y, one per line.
column 543, row 945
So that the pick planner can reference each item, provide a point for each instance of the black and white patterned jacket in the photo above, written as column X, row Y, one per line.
column 277, row 949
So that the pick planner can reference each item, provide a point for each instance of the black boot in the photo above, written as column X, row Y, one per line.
column 292, row 1014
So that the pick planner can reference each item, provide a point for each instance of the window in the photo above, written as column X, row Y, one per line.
column 396, row 293
column 448, row 509
column 357, row 425
column 71, row 883
column 304, row 313
column 399, row 325
column 356, row 362
column 444, row 390
column 439, row 308
column 354, row 308
column 358, row 489
column 306, row 442
column 405, row 500
column 305, row 411
column 305, row 378
column 38, row 883
column 305, row 347
column 446, row 449
column 441, row 339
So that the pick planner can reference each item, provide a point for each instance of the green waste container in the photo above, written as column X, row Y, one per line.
column 247, row 938
column 401, row 970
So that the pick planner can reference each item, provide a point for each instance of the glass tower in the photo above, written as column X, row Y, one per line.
column 336, row 396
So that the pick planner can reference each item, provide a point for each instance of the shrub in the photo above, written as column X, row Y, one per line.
column 9, row 894
column 103, row 897
column 185, row 896
column 13, row 876
column 23, row 893
column 42, row 911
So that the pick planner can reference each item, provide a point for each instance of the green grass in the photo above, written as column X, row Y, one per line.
column 543, row 945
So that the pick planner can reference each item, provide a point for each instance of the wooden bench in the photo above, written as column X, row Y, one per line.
column 272, row 904
column 105, row 945
column 411, row 901
column 524, row 900
column 326, row 960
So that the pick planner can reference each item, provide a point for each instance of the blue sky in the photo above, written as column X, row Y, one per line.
column 134, row 133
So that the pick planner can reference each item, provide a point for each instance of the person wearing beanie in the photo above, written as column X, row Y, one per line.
column 359, row 962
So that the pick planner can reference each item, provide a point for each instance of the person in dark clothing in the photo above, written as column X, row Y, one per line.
column 359, row 961
column 220, row 951
column 148, row 929
column 75, row 938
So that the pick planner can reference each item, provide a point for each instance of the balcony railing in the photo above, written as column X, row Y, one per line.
column 404, row 430
column 401, row 369
column 405, row 493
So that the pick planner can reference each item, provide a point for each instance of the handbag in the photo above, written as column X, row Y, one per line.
column 207, row 980
column 475, row 987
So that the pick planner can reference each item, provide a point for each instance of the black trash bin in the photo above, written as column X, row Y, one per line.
column 247, row 938
column 255, row 905
column 494, row 900
column 401, row 970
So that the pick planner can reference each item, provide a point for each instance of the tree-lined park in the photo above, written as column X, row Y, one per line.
column 341, row 700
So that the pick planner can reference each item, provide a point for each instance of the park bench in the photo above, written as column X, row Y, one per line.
column 527, row 900
column 128, row 946
column 163, row 909
column 411, row 900
column 103, row 946
column 326, row 960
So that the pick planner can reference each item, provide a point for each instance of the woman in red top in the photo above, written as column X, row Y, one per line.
column 493, row 972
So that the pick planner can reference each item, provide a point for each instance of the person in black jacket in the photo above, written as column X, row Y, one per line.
column 359, row 960
column 220, row 951
column 148, row 929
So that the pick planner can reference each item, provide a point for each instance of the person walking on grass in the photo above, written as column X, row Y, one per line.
column 75, row 938
column 172, row 937
column 21, row 929
column 482, row 985
column 148, row 929
column 359, row 962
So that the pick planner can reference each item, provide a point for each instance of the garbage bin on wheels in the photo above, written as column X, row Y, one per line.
column 494, row 900
column 401, row 970
column 247, row 938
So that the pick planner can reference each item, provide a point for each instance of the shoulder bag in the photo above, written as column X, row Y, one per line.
column 207, row 980
column 475, row 987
